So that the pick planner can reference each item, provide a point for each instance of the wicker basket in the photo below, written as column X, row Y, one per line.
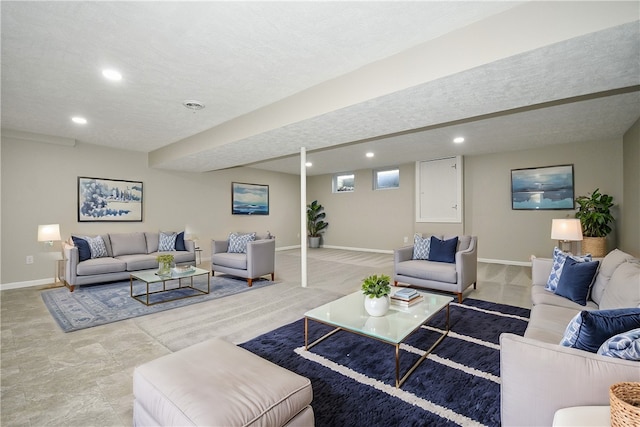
column 596, row 246
column 625, row 404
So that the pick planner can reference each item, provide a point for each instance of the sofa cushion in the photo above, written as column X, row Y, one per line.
column 84, row 252
column 541, row 296
column 576, row 280
column 238, row 242
column 559, row 257
column 230, row 260
column 167, row 242
column 96, row 246
column 428, row 270
column 622, row 346
column 623, row 289
column 443, row 250
column 137, row 262
column 421, row 247
column 128, row 243
column 588, row 330
column 153, row 239
column 607, row 267
column 547, row 323
column 100, row 266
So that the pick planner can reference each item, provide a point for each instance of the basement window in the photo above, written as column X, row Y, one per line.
column 384, row 179
column 343, row 182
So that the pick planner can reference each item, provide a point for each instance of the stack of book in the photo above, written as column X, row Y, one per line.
column 406, row 297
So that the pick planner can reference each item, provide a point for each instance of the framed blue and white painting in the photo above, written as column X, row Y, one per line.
column 249, row 199
column 543, row 188
column 101, row 200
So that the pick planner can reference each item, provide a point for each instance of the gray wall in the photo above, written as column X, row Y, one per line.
column 39, row 186
column 630, row 218
column 380, row 219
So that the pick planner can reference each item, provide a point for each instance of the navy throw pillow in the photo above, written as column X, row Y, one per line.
column 598, row 326
column 576, row 280
column 443, row 250
column 180, row 242
column 84, row 251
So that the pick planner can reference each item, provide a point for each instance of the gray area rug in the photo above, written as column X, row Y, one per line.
column 94, row 305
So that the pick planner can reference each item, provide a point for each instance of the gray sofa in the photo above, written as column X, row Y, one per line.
column 539, row 376
column 440, row 276
column 126, row 253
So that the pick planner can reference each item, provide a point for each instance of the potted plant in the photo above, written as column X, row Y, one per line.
column 165, row 263
column 594, row 213
column 376, row 290
column 315, row 223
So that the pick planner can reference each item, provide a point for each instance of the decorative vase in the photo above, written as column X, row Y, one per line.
column 377, row 306
column 596, row 246
column 164, row 269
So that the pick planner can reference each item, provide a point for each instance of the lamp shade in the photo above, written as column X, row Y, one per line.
column 566, row 229
column 48, row 233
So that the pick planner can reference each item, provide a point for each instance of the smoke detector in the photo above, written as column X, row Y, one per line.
column 193, row 105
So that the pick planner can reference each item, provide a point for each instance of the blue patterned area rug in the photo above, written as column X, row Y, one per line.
column 94, row 305
column 353, row 377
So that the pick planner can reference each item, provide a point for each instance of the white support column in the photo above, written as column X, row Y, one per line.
column 303, row 217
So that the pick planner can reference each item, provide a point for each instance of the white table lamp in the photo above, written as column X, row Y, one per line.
column 49, row 233
column 566, row 231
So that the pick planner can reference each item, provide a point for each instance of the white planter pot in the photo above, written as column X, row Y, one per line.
column 314, row 242
column 377, row 306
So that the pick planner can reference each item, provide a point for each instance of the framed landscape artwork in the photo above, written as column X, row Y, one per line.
column 249, row 199
column 549, row 187
column 102, row 200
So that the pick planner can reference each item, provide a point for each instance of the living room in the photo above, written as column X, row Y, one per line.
column 40, row 172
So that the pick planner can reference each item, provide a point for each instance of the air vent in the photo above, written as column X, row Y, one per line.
column 193, row 105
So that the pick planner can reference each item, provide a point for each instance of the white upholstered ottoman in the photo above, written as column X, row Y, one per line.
column 216, row 383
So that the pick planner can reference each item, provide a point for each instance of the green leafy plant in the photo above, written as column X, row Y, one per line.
column 315, row 219
column 594, row 213
column 376, row 286
column 165, row 259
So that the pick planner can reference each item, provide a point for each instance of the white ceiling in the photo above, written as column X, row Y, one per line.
column 404, row 77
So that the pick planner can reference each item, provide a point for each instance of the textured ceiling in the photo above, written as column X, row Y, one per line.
column 251, row 62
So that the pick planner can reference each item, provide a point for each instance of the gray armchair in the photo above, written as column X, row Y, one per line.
column 440, row 276
column 258, row 261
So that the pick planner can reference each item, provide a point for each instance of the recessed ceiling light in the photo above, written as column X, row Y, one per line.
column 193, row 104
column 79, row 120
column 458, row 140
column 370, row 154
column 112, row 74
column 308, row 164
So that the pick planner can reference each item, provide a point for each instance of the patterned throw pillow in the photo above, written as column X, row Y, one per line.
column 421, row 247
column 167, row 242
column 238, row 242
column 622, row 346
column 96, row 246
column 559, row 258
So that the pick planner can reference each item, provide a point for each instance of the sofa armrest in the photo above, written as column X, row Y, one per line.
column 218, row 246
column 190, row 245
column 404, row 253
column 467, row 264
column 71, row 260
column 539, row 378
column 261, row 257
column 540, row 270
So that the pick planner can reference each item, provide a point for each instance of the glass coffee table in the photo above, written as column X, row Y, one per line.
column 348, row 313
column 150, row 277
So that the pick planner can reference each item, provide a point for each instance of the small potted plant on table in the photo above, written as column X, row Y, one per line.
column 376, row 290
column 165, row 262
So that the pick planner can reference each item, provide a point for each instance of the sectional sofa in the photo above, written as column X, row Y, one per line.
column 540, row 376
column 123, row 253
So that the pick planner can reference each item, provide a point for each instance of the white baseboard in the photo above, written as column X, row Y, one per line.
column 286, row 248
column 26, row 284
column 505, row 262
column 347, row 248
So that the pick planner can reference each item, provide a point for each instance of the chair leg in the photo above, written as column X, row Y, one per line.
column 249, row 282
column 460, row 297
column 395, row 283
column 273, row 277
column 474, row 285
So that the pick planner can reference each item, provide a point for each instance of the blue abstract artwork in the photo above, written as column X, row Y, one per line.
column 249, row 199
column 109, row 200
column 548, row 187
